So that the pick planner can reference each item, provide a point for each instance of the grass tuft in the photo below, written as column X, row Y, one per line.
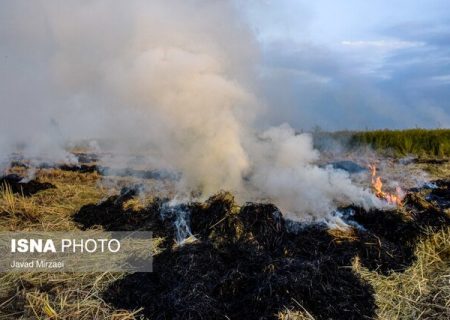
column 423, row 290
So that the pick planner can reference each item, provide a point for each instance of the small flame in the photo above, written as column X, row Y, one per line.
column 377, row 184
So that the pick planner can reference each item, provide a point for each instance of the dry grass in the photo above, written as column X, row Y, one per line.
column 294, row 315
column 49, row 210
column 17, row 207
column 138, row 203
column 53, row 295
column 423, row 290
column 289, row 314
column 57, row 296
column 436, row 171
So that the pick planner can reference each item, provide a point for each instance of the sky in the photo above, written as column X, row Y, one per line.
column 352, row 64
column 330, row 64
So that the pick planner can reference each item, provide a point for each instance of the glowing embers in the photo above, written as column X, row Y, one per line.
column 377, row 185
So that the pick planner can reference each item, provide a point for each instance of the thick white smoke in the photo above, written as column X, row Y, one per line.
column 285, row 171
column 174, row 80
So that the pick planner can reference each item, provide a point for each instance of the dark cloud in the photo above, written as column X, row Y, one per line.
column 322, row 85
column 433, row 33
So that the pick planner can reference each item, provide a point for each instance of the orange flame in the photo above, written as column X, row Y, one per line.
column 377, row 185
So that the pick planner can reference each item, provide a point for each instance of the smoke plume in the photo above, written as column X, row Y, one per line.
column 173, row 80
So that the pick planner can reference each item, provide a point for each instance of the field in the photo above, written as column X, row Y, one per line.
column 417, row 142
column 243, row 260
column 187, row 135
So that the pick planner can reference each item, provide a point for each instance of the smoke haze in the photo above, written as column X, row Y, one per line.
column 176, row 81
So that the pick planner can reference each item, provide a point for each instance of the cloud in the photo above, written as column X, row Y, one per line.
column 441, row 79
column 315, row 85
column 398, row 80
column 382, row 44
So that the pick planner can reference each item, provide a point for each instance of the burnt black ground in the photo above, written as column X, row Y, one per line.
column 86, row 166
column 120, row 172
column 249, row 263
column 440, row 196
column 26, row 188
column 113, row 217
column 85, row 157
